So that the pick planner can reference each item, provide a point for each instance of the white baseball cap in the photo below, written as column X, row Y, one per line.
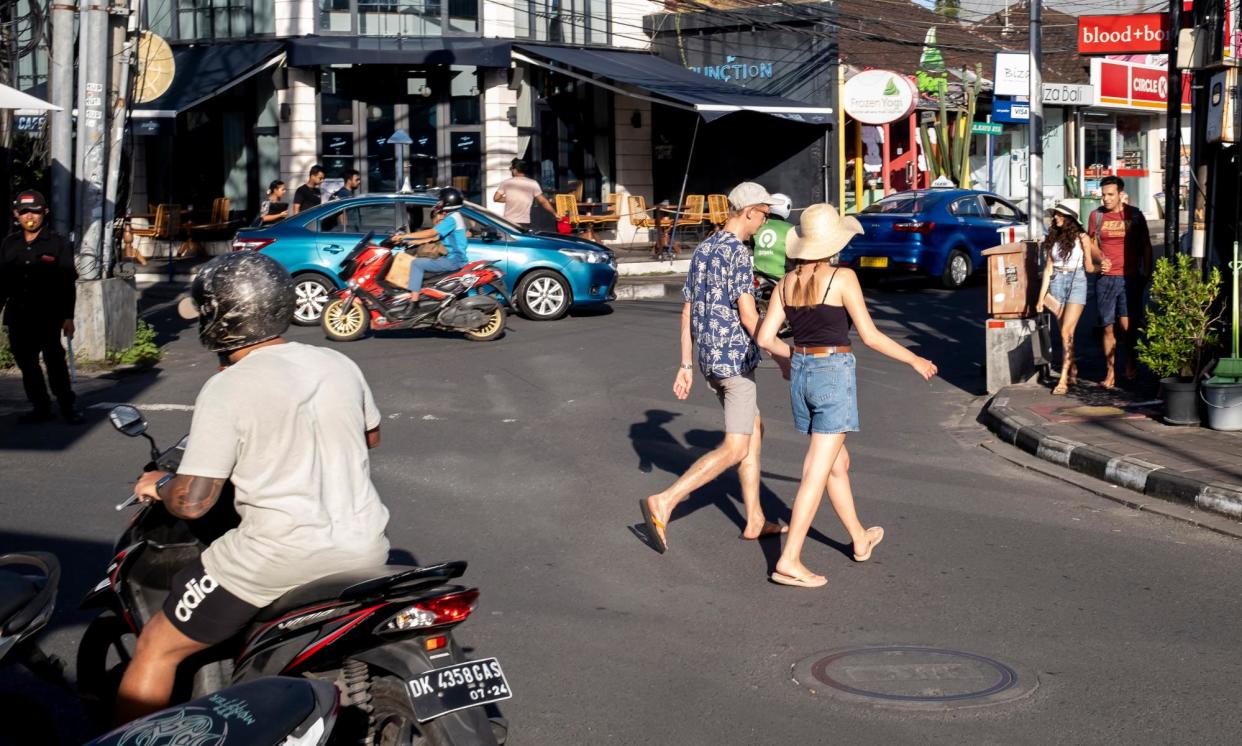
column 748, row 193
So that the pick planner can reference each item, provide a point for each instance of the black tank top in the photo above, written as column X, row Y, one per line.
column 823, row 325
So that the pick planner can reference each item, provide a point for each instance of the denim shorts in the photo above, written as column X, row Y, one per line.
column 1069, row 287
column 824, row 393
column 1118, row 297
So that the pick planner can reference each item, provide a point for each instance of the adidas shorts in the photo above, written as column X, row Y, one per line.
column 202, row 610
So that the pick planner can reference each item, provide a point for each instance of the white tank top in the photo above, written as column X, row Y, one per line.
column 1073, row 262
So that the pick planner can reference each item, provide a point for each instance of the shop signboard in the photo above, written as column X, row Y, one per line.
column 986, row 128
column 879, row 97
column 1013, row 74
column 1132, row 86
column 1137, row 33
column 1009, row 111
column 1067, row 94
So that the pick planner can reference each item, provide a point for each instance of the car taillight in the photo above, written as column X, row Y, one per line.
column 434, row 612
column 922, row 227
column 251, row 244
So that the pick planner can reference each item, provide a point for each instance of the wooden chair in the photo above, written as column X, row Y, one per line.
column 612, row 214
column 717, row 209
column 694, row 215
column 461, row 183
column 159, row 228
column 219, row 223
column 640, row 216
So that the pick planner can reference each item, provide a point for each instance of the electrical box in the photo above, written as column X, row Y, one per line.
column 1013, row 279
column 1222, row 115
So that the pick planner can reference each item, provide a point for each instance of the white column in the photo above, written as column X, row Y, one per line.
column 294, row 17
column 298, row 132
column 633, row 170
column 627, row 22
column 500, row 139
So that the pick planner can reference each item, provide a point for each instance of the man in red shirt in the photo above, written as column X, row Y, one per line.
column 1121, row 232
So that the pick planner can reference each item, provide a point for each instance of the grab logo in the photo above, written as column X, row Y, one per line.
column 196, row 591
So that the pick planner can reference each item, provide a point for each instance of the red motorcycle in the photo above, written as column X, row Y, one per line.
column 461, row 301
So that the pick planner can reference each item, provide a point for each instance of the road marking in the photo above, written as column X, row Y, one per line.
column 145, row 407
column 430, row 417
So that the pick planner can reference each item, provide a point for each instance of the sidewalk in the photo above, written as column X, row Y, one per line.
column 1117, row 436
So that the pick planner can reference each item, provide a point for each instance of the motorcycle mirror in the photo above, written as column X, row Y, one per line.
column 128, row 420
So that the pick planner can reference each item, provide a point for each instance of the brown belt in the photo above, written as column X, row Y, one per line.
column 823, row 350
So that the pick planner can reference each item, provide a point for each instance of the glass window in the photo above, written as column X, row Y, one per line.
column 463, row 15
column 335, row 108
column 899, row 204
column 1000, row 209
column 423, row 159
column 376, row 217
column 337, row 153
column 464, row 89
column 467, row 164
column 335, row 15
column 381, row 157
column 967, row 207
column 416, row 216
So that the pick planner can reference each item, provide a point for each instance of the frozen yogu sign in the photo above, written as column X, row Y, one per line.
column 879, row 97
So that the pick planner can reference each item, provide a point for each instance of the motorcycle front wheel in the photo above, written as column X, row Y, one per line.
column 494, row 327
column 105, row 651
column 345, row 325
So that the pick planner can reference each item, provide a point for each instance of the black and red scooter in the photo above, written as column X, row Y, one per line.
column 384, row 636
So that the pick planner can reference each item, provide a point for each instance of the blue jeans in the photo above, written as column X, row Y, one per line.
column 421, row 266
column 824, row 393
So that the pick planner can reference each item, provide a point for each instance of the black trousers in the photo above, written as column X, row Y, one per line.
column 29, row 340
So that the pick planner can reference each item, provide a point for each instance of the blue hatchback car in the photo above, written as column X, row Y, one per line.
column 546, row 274
column 936, row 232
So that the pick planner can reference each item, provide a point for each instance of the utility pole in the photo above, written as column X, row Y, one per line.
column 1173, row 138
column 1035, row 159
column 61, row 83
column 92, row 134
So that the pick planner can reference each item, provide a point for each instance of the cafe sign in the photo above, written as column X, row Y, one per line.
column 879, row 97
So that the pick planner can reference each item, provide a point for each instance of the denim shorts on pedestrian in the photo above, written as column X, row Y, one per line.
column 824, row 393
column 1117, row 298
column 1069, row 287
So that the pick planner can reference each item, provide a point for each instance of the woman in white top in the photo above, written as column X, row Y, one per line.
column 1071, row 255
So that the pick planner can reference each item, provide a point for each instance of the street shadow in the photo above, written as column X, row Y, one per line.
column 657, row 448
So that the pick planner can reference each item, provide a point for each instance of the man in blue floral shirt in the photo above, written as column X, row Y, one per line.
column 719, row 318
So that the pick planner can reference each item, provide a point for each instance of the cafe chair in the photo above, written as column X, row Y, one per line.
column 217, row 226
column 717, row 210
column 159, row 227
column 694, row 215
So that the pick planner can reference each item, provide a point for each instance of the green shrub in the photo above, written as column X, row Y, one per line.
column 6, row 356
column 143, row 351
column 1181, row 319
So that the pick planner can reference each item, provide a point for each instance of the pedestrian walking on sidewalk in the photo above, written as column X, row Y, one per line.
column 38, row 290
column 519, row 193
column 1071, row 255
column 821, row 300
column 308, row 195
column 719, row 319
column 1120, row 230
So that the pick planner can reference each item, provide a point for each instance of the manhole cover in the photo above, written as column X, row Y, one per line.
column 913, row 677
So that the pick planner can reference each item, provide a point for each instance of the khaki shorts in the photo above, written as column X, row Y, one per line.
column 740, row 398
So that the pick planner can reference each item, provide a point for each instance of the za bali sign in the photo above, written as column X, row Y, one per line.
column 1129, row 85
column 879, row 97
column 1133, row 34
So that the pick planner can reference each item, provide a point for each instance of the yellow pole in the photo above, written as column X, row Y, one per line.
column 858, row 167
column 841, row 138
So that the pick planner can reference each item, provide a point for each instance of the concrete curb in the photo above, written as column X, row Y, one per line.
column 670, row 266
column 1141, row 476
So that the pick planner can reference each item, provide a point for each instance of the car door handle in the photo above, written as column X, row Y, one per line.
column 334, row 249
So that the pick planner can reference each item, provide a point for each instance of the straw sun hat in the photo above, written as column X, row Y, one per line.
column 823, row 233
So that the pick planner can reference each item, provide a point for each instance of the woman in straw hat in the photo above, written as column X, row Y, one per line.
column 821, row 300
column 1071, row 254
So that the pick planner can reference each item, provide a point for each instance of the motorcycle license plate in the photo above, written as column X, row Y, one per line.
column 444, row 690
column 879, row 262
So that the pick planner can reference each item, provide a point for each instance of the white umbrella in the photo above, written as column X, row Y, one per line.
column 11, row 98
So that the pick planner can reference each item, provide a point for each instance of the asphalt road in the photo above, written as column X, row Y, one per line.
column 526, row 457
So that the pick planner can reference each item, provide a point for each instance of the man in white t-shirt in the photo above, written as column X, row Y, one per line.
column 290, row 425
column 519, row 193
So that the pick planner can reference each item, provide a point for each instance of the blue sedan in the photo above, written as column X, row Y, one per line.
column 546, row 274
column 936, row 232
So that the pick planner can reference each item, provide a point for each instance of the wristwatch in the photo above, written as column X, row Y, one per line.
column 687, row 366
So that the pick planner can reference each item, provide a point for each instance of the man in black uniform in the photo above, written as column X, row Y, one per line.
column 37, row 292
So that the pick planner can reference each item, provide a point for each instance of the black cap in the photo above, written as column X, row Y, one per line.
column 30, row 198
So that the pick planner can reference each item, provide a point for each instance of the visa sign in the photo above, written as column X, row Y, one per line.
column 1131, row 34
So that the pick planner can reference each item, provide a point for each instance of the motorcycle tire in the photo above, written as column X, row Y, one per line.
column 493, row 329
column 345, row 327
column 393, row 722
column 106, row 649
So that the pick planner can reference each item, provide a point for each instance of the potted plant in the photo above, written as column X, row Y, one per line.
column 1180, row 324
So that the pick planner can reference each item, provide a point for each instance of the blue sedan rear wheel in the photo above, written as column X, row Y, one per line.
column 543, row 295
column 313, row 293
column 956, row 270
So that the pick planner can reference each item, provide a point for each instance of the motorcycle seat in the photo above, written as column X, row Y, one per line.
column 16, row 591
column 355, row 585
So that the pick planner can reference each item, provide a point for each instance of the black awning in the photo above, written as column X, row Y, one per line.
column 203, row 71
column 668, row 83
column 313, row 51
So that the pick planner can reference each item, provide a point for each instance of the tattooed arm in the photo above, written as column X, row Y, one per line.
column 185, row 495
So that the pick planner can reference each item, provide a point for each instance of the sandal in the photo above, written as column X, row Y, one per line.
column 1061, row 390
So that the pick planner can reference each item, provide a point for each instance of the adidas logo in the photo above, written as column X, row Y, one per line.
column 195, row 593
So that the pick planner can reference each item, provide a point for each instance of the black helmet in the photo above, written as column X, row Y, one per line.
column 240, row 300
column 450, row 199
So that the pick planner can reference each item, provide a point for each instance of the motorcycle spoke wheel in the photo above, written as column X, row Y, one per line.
column 494, row 327
column 342, row 325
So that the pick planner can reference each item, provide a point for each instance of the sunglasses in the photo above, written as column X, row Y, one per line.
column 30, row 211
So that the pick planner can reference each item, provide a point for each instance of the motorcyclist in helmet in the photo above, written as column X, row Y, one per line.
column 770, row 240
column 450, row 230
column 290, row 425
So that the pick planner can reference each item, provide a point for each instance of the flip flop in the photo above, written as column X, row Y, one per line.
column 769, row 529
column 809, row 581
column 876, row 531
column 655, row 529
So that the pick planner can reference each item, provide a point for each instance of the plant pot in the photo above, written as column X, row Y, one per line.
column 1181, row 401
column 1224, row 405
